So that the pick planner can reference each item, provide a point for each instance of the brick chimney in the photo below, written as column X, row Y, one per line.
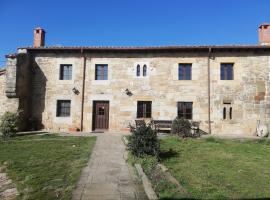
column 264, row 34
column 39, row 37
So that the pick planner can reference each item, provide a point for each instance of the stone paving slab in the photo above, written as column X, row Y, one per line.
column 8, row 190
column 107, row 175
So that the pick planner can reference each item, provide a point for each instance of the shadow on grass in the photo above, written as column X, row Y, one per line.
column 168, row 154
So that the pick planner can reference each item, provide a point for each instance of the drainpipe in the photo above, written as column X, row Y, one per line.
column 83, row 88
column 209, row 91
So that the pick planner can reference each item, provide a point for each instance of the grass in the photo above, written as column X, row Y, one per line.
column 219, row 169
column 46, row 166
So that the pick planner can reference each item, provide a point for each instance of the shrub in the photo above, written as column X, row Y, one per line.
column 181, row 127
column 144, row 141
column 9, row 124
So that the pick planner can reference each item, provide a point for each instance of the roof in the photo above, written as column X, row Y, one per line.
column 144, row 48
column 264, row 24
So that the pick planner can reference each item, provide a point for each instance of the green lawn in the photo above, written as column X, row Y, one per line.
column 217, row 169
column 45, row 167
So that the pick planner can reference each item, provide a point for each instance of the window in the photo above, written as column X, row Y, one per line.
column 227, row 107
column 144, row 109
column 63, row 108
column 184, row 72
column 138, row 72
column 224, row 113
column 226, row 71
column 144, row 70
column 65, row 72
column 185, row 110
column 101, row 72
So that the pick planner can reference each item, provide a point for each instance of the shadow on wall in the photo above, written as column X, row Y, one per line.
column 37, row 97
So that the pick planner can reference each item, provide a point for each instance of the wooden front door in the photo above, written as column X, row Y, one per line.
column 101, row 115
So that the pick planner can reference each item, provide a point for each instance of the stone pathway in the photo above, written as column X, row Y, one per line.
column 107, row 175
column 7, row 188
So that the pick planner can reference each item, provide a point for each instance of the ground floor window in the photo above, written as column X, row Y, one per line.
column 63, row 108
column 227, row 110
column 184, row 110
column 144, row 109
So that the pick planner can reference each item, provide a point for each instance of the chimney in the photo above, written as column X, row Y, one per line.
column 39, row 37
column 264, row 34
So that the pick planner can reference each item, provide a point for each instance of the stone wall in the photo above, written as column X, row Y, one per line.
column 6, row 104
column 16, row 87
column 247, row 93
column 161, row 86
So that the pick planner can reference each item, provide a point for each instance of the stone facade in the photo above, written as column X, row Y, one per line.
column 6, row 104
column 247, row 93
column 161, row 86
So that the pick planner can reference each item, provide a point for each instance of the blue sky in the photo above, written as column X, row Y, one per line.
column 131, row 22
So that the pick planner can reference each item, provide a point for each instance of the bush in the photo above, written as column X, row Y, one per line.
column 9, row 124
column 181, row 127
column 143, row 141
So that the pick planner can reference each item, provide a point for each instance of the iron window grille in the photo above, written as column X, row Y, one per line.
column 63, row 108
column 144, row 109
column 185, row 110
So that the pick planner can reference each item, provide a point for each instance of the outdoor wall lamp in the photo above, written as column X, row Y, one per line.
column 128, row 92
column 76, row 91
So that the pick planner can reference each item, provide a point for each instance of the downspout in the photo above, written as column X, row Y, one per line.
column 209, row 90
column 83, row 88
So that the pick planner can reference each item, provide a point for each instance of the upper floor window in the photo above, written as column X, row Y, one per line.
column 144, row 70
column 226, row 71
column 138, row 70
column 185, row 110
column 63, row 108
column 65, row 72
column 144, row 109
column 101, row 72
column 141, row 69
column 184, row 71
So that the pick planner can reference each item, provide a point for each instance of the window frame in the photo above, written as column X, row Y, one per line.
column 104, row 73
column 184, row 68
column 184, row 105
column 144, row 70
column 226, row 71
column 63, row 111
column 138, row 70
column 227, row 111
column 62, row 75
column 144, row 109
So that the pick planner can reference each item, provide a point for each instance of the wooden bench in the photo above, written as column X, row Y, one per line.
column 162, row 125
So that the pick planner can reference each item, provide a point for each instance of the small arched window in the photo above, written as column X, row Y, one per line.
column 230, row 113
column 224, row 113
column 144, row 70
column 138, row 70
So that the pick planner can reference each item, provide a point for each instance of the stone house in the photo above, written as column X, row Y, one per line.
column 225, row 88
